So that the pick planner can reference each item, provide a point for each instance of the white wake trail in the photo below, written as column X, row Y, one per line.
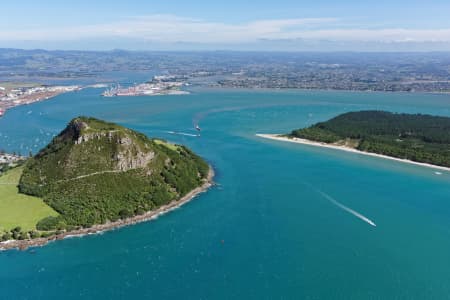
column 347, row 209
column 182, row 133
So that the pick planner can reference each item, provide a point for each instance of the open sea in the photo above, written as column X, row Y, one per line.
column 274, row 227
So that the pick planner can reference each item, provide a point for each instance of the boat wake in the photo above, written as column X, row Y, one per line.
column 344, row 208
column 347, row 209
column 183, row 133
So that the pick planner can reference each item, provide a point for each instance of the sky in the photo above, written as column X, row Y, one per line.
column 277, row 25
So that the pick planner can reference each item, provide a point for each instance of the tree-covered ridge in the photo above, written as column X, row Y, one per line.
column 417, row 137
column 94, row 172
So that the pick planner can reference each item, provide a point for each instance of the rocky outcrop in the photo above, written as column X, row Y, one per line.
column 129, row 156
column 85, row 137
column 73, row 130
column 126, row 161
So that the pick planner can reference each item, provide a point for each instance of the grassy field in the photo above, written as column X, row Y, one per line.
column 168, row 145
column 18, row 209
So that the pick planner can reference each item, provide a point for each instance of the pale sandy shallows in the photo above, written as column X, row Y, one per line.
column 278, row 137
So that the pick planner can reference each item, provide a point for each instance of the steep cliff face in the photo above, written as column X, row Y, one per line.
column 129, row 153
column 93, row 170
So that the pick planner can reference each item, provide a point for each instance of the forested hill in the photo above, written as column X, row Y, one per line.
column 94, row 172
column 417, row 137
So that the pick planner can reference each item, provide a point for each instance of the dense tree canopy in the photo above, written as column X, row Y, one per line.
column 421, row 138
column 95, row 172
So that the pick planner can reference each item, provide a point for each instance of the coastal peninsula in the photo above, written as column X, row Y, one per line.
column 158, row 86
column 413, row 138
column 15, row 94
column 96, row 176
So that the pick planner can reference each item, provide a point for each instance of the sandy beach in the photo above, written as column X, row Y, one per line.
column 96, row 229
column 279, row 137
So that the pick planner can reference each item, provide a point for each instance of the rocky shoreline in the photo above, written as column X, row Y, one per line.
column 25, row 244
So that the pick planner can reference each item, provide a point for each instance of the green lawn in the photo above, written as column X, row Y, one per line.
column 18, row 209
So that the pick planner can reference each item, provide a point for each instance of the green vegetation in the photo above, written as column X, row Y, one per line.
column 19, row 210
column 94, row 172
column 168, row 145
column 421, row 138
column 5, row 167
column 11, row 177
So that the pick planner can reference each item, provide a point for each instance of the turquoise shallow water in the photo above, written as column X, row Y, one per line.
column 266, row 231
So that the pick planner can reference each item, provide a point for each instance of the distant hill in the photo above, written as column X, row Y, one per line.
column 94, row 172
column 417, row 137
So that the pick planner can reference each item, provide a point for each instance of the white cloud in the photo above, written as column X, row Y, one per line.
column 170, row 28
column 379, row 35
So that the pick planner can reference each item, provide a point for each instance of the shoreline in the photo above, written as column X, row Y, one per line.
column 163, row 93
column 277, row 137
column 40, row 96
column 231, row 88
column 100, row 228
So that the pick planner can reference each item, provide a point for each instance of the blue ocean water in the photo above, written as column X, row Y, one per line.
column 268, row 229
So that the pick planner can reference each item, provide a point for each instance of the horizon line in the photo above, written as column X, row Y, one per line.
column 227, row 50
